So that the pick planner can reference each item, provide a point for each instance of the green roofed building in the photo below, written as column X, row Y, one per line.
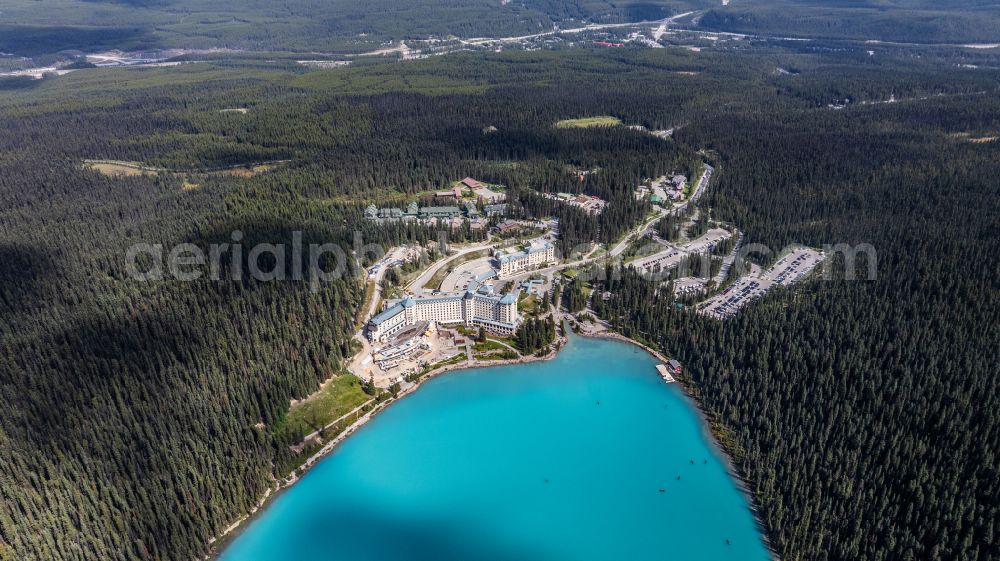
column 440, row 212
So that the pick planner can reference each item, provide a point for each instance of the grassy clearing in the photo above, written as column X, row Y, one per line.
column 124, row 169
column 506, row 354
column 487, row 346
column 587, row 122
column 529, row 305
column 337, row 398
column 453, row 360
column 112, row 168
column 970, row 137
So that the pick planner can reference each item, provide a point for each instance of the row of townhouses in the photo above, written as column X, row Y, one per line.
column 416, row 212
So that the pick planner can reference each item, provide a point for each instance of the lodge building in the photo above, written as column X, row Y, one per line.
column 536, row 254
column 476, row 307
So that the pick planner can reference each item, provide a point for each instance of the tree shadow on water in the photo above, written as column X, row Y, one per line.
column 362, row 533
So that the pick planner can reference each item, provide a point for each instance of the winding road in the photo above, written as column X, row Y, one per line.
column 619, row 248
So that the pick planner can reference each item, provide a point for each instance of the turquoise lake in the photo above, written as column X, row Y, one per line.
column 557, row 461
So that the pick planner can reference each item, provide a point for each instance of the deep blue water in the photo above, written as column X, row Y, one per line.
column 557, row 461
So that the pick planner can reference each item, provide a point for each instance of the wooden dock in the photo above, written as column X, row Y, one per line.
column 665, row 374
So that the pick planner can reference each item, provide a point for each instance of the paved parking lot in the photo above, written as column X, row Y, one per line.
column 785, row 272
column 673, row 256
column 459, row 279
column 791, row 268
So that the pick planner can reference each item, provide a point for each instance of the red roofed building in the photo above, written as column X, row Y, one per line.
column 455, row 192
column 471, row 183
column 674, row 366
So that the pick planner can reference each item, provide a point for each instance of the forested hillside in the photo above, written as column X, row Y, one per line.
column 139, row 416
column 346, row 26
column 301, row 25
column 863, row 413
column 912, row 21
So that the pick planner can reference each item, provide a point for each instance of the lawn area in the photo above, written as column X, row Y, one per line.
column 115, row 168
column 337, row 398
column 122, row 169
column 487, row 346
column 453, row 360
column 529, row 305
column 506, row 354
column 586, row 122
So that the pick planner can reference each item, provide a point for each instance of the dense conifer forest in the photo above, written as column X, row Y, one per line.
column 139, row 416
column 861, row 412
column 535, row 334
column 347, row 26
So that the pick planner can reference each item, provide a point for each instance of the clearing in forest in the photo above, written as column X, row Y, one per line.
column 112, row 168
column 587, row 122
column 338, row 396
column 123, row 169
column 971, row 137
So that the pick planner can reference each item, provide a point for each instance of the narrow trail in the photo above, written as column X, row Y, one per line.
column 299, row 447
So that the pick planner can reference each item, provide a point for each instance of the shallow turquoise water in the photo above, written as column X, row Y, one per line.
column 557, row 461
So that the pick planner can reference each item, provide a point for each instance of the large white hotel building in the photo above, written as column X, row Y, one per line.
column 536, row 254
column 476, row 307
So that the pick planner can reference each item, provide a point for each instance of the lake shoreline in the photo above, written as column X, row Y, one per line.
column 724, row 454
column 221, row 541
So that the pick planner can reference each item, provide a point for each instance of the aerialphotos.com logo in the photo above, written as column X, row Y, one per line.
column 317, row 263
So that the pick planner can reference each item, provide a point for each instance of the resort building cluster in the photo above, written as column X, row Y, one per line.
column 663, row 189
column 592, row 205
column 492, row 201
column 416, row 212
column 478, row 306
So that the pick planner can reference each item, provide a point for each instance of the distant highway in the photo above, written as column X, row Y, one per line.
column 663, row 23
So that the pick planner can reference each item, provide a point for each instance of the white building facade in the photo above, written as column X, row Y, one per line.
column 536, row 254
column 497, row 314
